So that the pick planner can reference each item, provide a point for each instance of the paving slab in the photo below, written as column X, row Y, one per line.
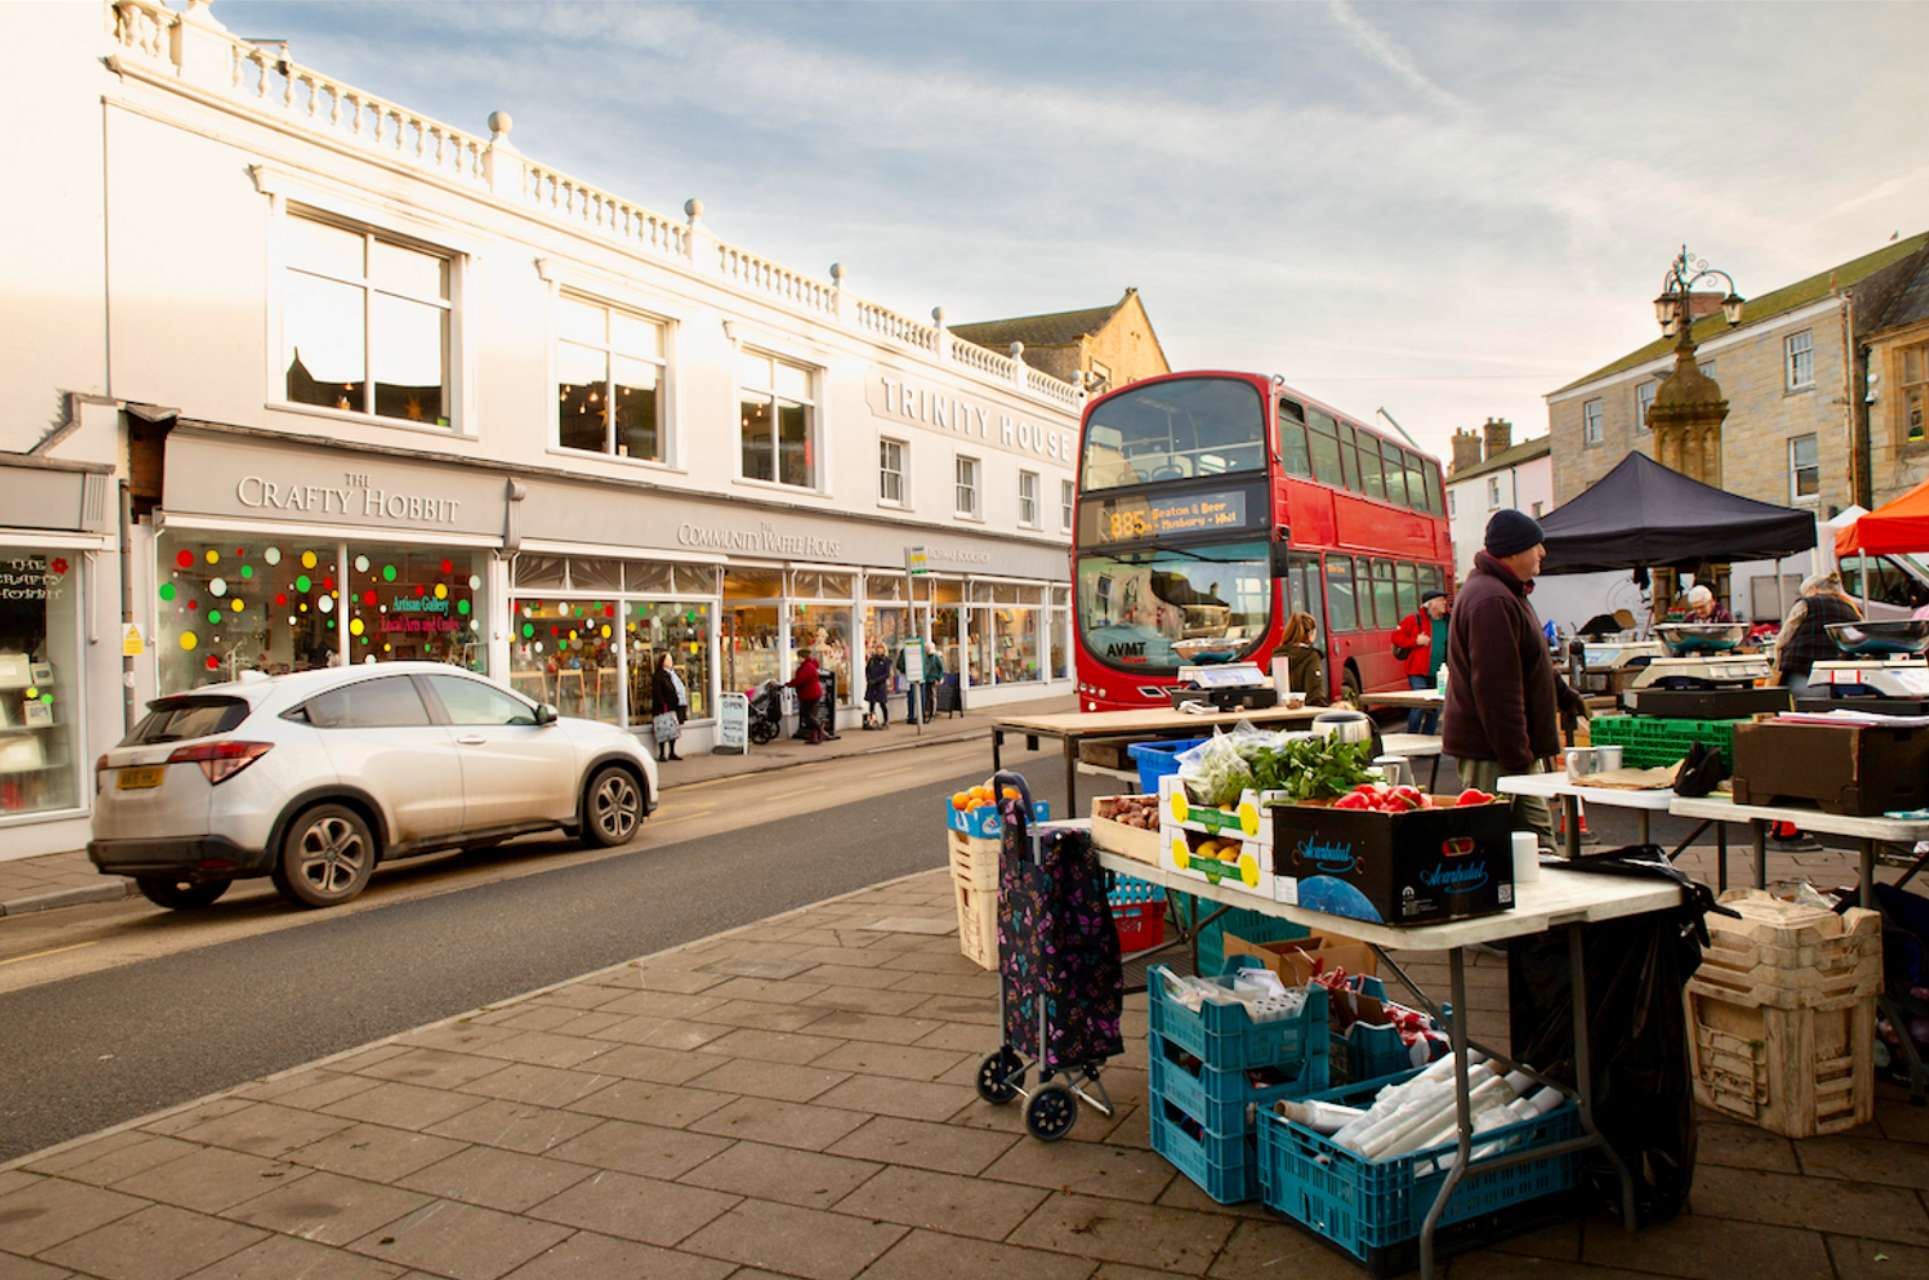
column 51, row 1211
column 923, row 1255
column 212, row 1179
column 589, row 1256
column 1117, row 1231
column 647, row 1150
column 922, row 1145
column 327, row 1208
column 286, row 1258
column 495, row 1179
column 645, row 1209
column 375, row 1153
column 105, row 1161
column 779, row 1080
column 800, row 1242
column 943, row 1201
column 158, row 1243
column 783, row 1124
column 461, row 1241
column 515, row 1126
column 1085, row 1168
column 784, row 1174
column 1703, row 1248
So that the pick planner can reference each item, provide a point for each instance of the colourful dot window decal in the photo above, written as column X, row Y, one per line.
column 189, row 640
column 272, row 555
column 448, row 566
column 185, row 559
column 307, row 559
column 528, row 629
column 218, row 587
column 237, row 604
column 247, row 571
column 281, row 599
column 302, row 584
column 441, row 591
column 355, row 627
column 361, row 564
column 167, row 591
column 462, row 607
column 388, row 573
column 214, row 663
column 213, row 557
column 214, row 615
column 369, row 598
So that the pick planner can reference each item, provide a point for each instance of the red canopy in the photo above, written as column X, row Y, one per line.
column 1901, row 526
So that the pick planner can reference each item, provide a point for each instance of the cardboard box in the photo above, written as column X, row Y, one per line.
column 1420, row 867
column 984, row 821
column 1248, row 869
column 1851, row 769
column 1248, row 819
column 1297, row 960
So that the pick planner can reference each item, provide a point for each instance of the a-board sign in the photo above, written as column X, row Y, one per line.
column 733, row 724
column 913, row 654
column 916, row 561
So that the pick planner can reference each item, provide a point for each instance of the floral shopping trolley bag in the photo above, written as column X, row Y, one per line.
column 1056, row 942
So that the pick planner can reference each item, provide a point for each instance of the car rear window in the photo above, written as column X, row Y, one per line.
column 173, row 719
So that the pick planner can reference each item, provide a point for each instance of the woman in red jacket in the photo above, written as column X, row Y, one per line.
column 1423, row 642
column 810, row 691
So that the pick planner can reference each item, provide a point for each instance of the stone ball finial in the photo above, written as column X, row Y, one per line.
column 837, row 272
column 500, row 123
column 1017, row 350
column 937, row 316
column 693, row 208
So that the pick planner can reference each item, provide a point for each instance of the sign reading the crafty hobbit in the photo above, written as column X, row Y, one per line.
column 354, row 497
column 892, row 396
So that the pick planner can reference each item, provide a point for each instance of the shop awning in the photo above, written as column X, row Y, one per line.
column 1642, row 513
column 1899, row 526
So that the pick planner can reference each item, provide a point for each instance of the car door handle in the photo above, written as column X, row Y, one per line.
column 473, row 740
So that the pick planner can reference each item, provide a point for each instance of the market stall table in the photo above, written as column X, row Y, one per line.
column 1148, row 725
column 1422, row 699
column 1415, row 746
column 1870, row 834
column 1552, row 786
column 1558, row 899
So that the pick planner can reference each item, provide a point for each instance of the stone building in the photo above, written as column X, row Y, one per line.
column 1897, row 396
column 1797, row 433
column 1108, row 346
column 1488, row 472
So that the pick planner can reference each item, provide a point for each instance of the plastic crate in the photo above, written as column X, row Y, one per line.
column 1158, row 759
column 1220, row 1099
column 1226, row 1166
column 1651, row 742
column 1368, row 1052
column 1368, row 1207
column 1138, row 911
column 1225, row 1038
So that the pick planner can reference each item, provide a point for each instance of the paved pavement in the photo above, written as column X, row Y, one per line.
column 794, row 1099
column 68, row 879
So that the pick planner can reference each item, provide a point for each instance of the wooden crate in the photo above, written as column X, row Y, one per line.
column 977, row 924
column 1795, row 1072
column 1116, row 837
column 974, row 861
column 1781, row 1015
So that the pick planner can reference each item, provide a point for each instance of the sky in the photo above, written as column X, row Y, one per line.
column 1444, row 211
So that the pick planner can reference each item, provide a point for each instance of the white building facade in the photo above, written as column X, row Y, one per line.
column 1491, row 472
column 374, row 388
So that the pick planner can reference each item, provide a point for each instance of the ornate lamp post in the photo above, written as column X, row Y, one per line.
column 1688, row 407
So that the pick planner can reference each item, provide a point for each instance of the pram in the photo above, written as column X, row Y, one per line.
column 1060, row 983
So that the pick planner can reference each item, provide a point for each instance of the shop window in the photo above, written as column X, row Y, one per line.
column 1028, row 499
column 365, row 322
column 416, row 604
column 1804, row 469
column 778, row 420
column 40, row 681
column 680, row 629
column 1061, row 651
column 1592, row 432
column 1065, row 495
column 611, row 377
column 825, row 630
column 966, row 476
column 890, row 473
column 225, row 607
column 751, row 598
column 565, row 653
column 884, row 586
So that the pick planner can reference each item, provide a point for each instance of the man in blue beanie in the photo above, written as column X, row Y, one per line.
column 1504, row 699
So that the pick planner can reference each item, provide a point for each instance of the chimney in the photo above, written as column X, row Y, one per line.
column 1499, row 435
column 1466, row 451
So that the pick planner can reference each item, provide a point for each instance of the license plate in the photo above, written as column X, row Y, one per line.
column 140, row 779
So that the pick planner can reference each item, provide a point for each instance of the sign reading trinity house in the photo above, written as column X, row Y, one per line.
column 892, row 397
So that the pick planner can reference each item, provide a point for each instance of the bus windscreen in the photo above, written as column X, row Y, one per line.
column 1153, row 611
column 1175, row 430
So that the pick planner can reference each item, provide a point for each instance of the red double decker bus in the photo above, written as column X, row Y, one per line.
column 1211, row 505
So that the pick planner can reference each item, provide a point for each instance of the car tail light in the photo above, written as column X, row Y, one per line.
column 100, row 772
column 221, row 760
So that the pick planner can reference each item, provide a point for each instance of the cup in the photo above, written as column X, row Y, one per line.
column 1527, row 859
column 1582, row 761
column 1394, row 770
column 1610, row 758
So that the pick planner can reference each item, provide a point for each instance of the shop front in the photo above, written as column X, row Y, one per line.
column 59, row 650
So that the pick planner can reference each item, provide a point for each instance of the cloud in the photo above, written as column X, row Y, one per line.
column 1371, row 41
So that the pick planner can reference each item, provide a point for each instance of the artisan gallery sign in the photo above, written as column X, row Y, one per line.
column 892, row 396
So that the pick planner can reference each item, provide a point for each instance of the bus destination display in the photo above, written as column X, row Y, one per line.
column 1149, row 518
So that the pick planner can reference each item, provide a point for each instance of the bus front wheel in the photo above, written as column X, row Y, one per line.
column 1350, row 686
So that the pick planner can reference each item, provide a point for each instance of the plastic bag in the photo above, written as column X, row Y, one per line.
column 1214, row 772
column 1636, row 969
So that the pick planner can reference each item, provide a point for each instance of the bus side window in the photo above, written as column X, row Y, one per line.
column 1406, row 583
column 1325, row 443
column 1430, row 578
column 1292, row 444
column 1339, row 592
column 1375, row 480
column 1384, row 602
column 1306, row 587
column 1349, row 458
column 1396, row 475
column 1435, row 504
column 1416, row 484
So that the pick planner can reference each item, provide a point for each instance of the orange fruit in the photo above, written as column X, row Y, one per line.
column 960, row 800
column 1011, row 793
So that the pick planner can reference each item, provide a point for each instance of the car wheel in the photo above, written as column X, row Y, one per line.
column 180, row 895
column 612, row 807
column 326, row 858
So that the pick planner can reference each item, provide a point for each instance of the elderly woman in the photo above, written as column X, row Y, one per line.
column 1804, row 639
column 1703, row 607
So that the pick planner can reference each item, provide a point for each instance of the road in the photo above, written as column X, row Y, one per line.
column 116, row 1010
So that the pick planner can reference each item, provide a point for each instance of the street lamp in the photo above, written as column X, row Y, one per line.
column 1674, row 304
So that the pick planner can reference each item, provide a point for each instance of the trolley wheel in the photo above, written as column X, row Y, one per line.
column 1000, row 1076
column 1051, row 1113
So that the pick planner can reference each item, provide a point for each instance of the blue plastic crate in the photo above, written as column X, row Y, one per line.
column 1368, row 1206
column 1123, row 891
column 1221, row 1099
column 1226, row 1166
column 1225, row 1038
column 1368, row 1052
column 1158, row 760
column 1253, row 926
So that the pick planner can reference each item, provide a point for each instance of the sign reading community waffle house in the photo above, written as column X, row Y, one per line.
column 760, row 539
column 892, row 395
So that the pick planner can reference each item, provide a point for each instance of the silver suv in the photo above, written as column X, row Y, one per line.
column 313, row 778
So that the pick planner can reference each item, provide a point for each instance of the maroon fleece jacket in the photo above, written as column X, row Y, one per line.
column 1503, row 697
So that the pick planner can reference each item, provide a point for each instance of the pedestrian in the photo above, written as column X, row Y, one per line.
column 933, row 677
column 877, row 685
column 1305, row 664
column 1804, row 637
column 672, row 703
column 809, row 684
column 1703, row 607
column 1504, row 698
column 1420, row 643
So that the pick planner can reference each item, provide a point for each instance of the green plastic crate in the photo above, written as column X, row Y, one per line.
column 1650, row 742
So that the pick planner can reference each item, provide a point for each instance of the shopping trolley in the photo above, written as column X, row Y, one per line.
column 1060, row 982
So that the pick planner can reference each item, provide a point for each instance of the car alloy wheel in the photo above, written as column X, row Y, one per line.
column 327, row 858
column 615, row 807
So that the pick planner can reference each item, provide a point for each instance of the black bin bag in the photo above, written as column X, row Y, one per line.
column 1636, row 969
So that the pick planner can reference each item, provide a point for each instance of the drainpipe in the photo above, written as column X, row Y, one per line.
column 1861, row 481
column 128, row 706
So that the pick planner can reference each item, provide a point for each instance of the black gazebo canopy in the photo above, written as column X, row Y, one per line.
column 1642, row 513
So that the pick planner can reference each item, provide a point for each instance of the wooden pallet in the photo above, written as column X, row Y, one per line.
column 1787, row 956
column 977, row 924
column 974, row 861
column 1795, row 1072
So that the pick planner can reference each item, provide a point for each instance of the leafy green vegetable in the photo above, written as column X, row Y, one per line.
column 1312, row 768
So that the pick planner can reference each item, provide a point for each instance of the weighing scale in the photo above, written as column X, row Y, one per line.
column 1702, row 678
column 1609, row 666
column 1230, row 686
column 1885, row 671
